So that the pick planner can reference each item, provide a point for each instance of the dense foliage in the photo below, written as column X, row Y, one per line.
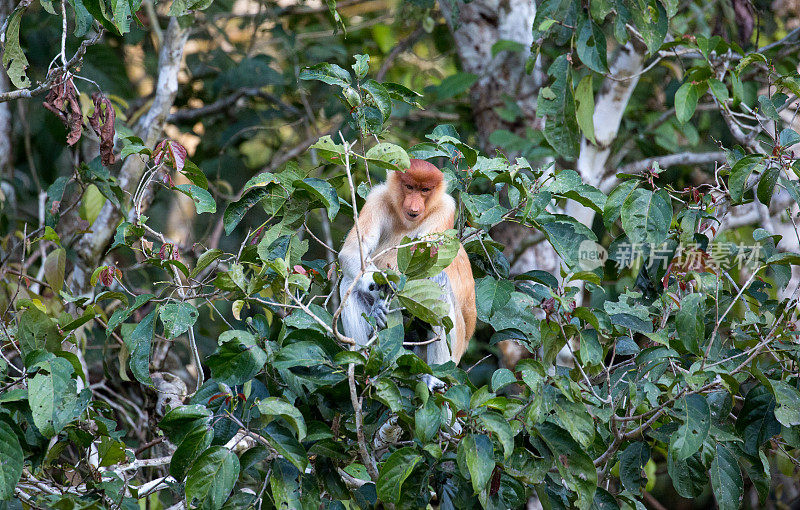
column 149, row 371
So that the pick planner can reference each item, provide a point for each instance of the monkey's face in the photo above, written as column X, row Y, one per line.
column 417, row 191
column 415, row 202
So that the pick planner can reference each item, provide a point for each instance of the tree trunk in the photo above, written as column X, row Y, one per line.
column 476, row 27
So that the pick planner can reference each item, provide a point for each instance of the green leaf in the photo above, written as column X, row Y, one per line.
column 177, row 318
column 402, row 94
column 719, row 89
column 506, row 45
column 327, row 73
column 689, row 476
column 203, row 201
column 423, row 299
column 212, row 478
column 274, row 406
column 686, row 102
column 236, row 210
column 54, row 267
column 237, row 359
column 387, row 392
column 138, row 344
column 574, row 464
column 613, row 206
column 322, row 191
column 690, row 323
column 261, row 180
column 576, row 420
column 286, row 445
column 768, row 108
column 14, row 61
column 592, row 46
column 330, row 150
column 740, row 175
column 394, row 472
column 52, row 395
column 380, row 97
column 651, row 19
column 501, row 378
column 584, row 96
column 500, row 427
column 455, row 84
column 37, row 331
column 689, row 437
column 766, row 185
column 133, row 145
column 788, row 137
column 178, row 422
column 205, row 260
column 788, row 400
column 11, row 461
column 646, row 217
column 193, row 445
column 83, row 20
column 479, row 455
column 427, row 420
column 361, row 67
column 121, row 315
column 726, row 478
column 389, row 156
column 749, row 59
column 491, row 295
column 756, row 421
column 558, row 105
column 631, row 466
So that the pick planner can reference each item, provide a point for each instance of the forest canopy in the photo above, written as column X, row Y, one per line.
column 177, row 179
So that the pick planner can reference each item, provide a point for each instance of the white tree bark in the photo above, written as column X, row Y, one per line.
column 476, row 27
column 609, row 107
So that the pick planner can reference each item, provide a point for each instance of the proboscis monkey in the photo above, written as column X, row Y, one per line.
column 410, row 203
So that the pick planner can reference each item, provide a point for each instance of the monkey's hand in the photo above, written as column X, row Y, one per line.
column 370, row 292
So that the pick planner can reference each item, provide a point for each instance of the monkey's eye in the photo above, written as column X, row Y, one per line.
column 408, row 186
column 425, row 190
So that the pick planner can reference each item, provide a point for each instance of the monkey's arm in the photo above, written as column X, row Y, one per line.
column 371, row 221
column 364, row 297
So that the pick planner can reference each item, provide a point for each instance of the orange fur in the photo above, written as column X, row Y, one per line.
column 413, row 203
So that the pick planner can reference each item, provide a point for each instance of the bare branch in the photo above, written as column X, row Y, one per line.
column 683, row 158
column 54, row 74
column 227, row 102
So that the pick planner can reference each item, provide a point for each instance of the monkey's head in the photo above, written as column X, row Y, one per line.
column 416, row 189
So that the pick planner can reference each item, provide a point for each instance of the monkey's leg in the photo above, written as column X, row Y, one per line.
column 438, row 352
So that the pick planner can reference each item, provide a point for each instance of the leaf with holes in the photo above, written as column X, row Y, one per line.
column 11, row 461
column 389, row 156
column 177, row 318
column 203, row 201
column 726, row 478
column 14, row 61
column 696, row 416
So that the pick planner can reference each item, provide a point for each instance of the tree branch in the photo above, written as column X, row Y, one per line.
column 229, row 101
column 54, row 74
column 683, row 158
